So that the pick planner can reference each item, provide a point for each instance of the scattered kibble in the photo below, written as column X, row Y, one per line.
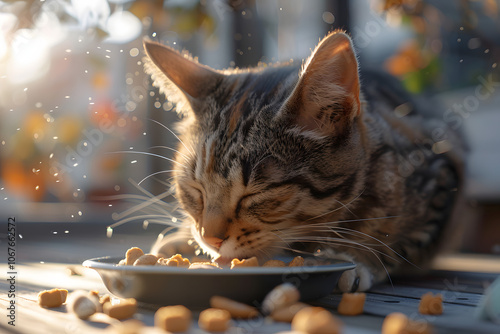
column 123, row 309
column 281, row 296
column 316, row 320
column 52, row 298
column 398, row 323
column 352, row 304
column 286, row 313
column 83, row 304
column 175, row 318
column 214, row 320
column 236, row 309
column 431, row 304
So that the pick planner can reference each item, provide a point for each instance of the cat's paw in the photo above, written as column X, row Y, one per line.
column 357, row 279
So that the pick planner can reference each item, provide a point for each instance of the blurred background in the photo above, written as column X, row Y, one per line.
column 85, row 139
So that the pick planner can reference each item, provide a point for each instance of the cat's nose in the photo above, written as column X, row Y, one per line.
column 213, row 241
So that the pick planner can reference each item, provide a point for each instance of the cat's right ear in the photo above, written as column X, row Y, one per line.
column 180, row 78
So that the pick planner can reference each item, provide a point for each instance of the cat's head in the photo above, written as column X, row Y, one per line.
column 267, row 151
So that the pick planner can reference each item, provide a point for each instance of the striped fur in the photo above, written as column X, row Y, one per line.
column 299, row 158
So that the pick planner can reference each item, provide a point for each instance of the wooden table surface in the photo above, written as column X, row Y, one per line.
column 49, row 263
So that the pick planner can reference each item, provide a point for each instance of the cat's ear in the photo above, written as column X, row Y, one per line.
column 326, row 97
column 179, row 77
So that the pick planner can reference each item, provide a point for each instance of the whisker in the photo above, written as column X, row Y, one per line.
column 151, row 154
column 172, row 149
column 148, row 217
column 160, row 172
column 173, row 133
column 336, row 209
column 152, row 199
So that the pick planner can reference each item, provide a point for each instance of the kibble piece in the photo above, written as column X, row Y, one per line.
column 146, row 260
column 286, row 313
column 104, row 299
column 124, row 309
column 352, row 303
column 52, row 298
column 177, row 261
column 83, row 304
column 251, row 262
column 316, row 320
column 430, row 304
column 132, row 255
column 236, row 309
column 398, row 323
column 274, row 263
column 173, row 318
column 214, row 320
column 281, row 296
column 204, row 265
column 297, row 261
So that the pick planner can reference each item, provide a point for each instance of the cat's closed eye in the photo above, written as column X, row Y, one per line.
column 193, row 199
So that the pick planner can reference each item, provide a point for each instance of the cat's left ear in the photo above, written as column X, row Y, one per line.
column 179, row 77
column 326, row 97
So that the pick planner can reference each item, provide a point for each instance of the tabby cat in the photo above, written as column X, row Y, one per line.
column 308, row 158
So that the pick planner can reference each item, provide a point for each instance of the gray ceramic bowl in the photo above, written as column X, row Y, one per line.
column 161, row 285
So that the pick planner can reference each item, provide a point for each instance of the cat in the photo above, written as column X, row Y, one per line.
column 308, row 158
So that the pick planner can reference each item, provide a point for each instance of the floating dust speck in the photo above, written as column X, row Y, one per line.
column 160, row 237
column 174, row 220
column 109, row 232
column 80, row 213
column 117, row 187
column 55, row 232
column 42, row 262
column 494, row 65
column 20, row 236
column 487, row 51
column 37, row 187
column 134, row 52
column 459, row 40
column 133, row 161
column 153, row 34
column 110, row 205
column 328, row 17
column 145, row 224
column 66, row 232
